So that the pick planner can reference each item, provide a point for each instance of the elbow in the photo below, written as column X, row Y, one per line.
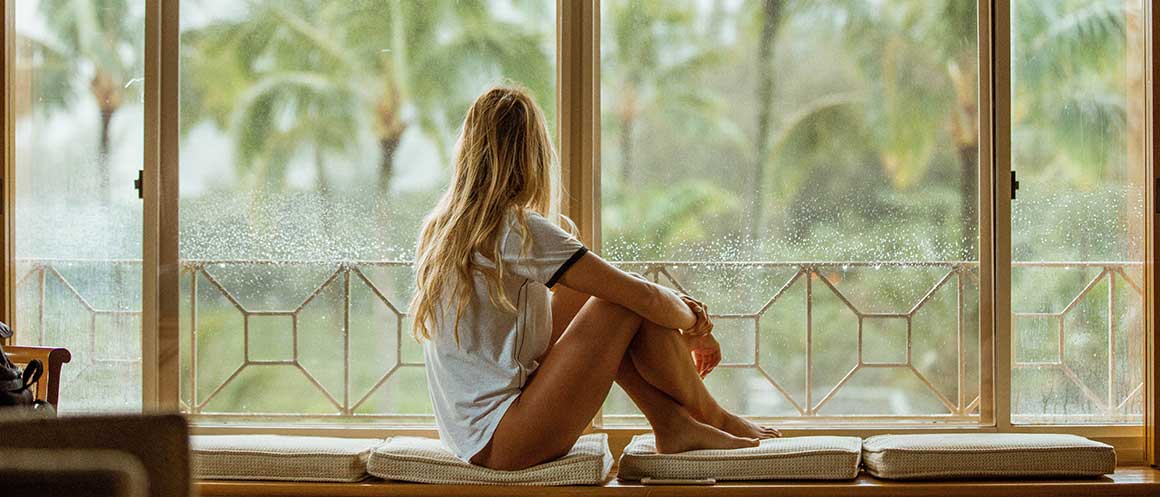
column 658, row 308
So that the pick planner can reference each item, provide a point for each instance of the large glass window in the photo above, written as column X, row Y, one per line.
column 810, row 170
column 315, row 137
column 77, row 97
column 1078, row 141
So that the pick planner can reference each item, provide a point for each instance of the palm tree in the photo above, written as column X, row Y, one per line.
column 917, row 71
column 105, row 35
column 936, row 44
column 771, row 14
column 924, row 86
column 647, row 78
column 1070, row 72
column 331, row 68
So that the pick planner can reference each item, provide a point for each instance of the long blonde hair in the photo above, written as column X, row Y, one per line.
column 504, row 161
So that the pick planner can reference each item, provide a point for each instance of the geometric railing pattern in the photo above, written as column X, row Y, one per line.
column 37, row 276
column 348, row 400
column 40, row 273
column 813, row 277
column 1115, row 403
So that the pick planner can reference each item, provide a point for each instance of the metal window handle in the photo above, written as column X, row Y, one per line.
column 139, row 184
column 1014, row 185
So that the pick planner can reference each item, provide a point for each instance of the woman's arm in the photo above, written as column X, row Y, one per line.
column 593, row 276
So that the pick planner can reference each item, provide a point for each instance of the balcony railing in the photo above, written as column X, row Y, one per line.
column 344, row 399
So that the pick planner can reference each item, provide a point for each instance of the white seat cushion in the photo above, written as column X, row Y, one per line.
column 426, row 460
column 986, row 455
column 795, row 458
column 280, row 458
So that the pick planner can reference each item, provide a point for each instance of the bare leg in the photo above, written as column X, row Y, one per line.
column 571, row 384
column 663, row 359
column 671, row 369
column 675, row 428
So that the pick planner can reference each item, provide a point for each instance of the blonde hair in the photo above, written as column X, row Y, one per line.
column 504, row 162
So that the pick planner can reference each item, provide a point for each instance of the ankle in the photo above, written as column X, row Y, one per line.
column 674, row 421
column 713, row 415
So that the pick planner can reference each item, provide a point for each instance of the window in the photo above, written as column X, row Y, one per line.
column 819, row 172
column 810, row 169
column 76, row 97
column 315, row 137
column 1078, row 223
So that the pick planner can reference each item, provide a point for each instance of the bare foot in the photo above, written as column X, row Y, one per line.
column 738, row 426
column 687, row 434
column 742, row 427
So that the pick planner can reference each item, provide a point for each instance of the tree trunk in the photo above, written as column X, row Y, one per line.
column 626, row 126
column 387, row 148
column 329, row 222
column 104, row 164
column 964, row 127
column 969, row 199
column 388, row 127
column 321, row 181
column 107, row 91
column 771, row 20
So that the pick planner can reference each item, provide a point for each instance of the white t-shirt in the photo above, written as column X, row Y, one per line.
column 473, row 384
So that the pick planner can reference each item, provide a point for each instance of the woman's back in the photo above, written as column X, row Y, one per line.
column 475, row 376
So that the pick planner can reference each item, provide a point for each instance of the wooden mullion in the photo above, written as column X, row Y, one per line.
column 578, row 108
column 7, row 165
column 986, row 222
column 1000, row 194
column 1152, row 331
column 160, row 289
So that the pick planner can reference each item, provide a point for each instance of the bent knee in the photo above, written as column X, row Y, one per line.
column 613, row 312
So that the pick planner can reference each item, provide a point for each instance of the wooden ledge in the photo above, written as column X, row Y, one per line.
column 1127, row 481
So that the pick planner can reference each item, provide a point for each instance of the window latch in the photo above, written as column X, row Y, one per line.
column 1014, row 185
column 139, row 184
column 1156, row 196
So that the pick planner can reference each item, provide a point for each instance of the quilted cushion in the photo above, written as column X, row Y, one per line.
column 986, row 455
column 795, row 458
column 425, row 460
column 282, row 458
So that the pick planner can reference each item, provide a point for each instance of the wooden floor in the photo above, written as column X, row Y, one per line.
column 1127, row 481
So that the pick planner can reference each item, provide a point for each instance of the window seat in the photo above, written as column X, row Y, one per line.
column 1126, row 481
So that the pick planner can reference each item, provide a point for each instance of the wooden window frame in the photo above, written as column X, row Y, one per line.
column 578, row 104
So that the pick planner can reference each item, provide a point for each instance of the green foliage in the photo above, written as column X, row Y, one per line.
column 874, row 118
column 304, row 75
column 95, row 32
column 681, row 210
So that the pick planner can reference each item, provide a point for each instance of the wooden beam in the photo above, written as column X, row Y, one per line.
column 160, row 288
column 578, row 108
column 1152, row 300
column 1125, row 482
column 986, row 210
column 7, row 164
column 999, row 90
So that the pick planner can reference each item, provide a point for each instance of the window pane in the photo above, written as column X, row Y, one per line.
column 77, row 97
column 810, row 170
column 316, row 135
column 1078, row 138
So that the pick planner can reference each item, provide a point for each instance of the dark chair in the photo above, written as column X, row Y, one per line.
column 160, row 443
column 48, row 387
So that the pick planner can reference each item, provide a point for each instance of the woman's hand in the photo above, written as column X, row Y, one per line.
column 706, row 353
column 704, row 325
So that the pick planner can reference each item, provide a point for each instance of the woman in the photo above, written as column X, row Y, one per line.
column 516, row 371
